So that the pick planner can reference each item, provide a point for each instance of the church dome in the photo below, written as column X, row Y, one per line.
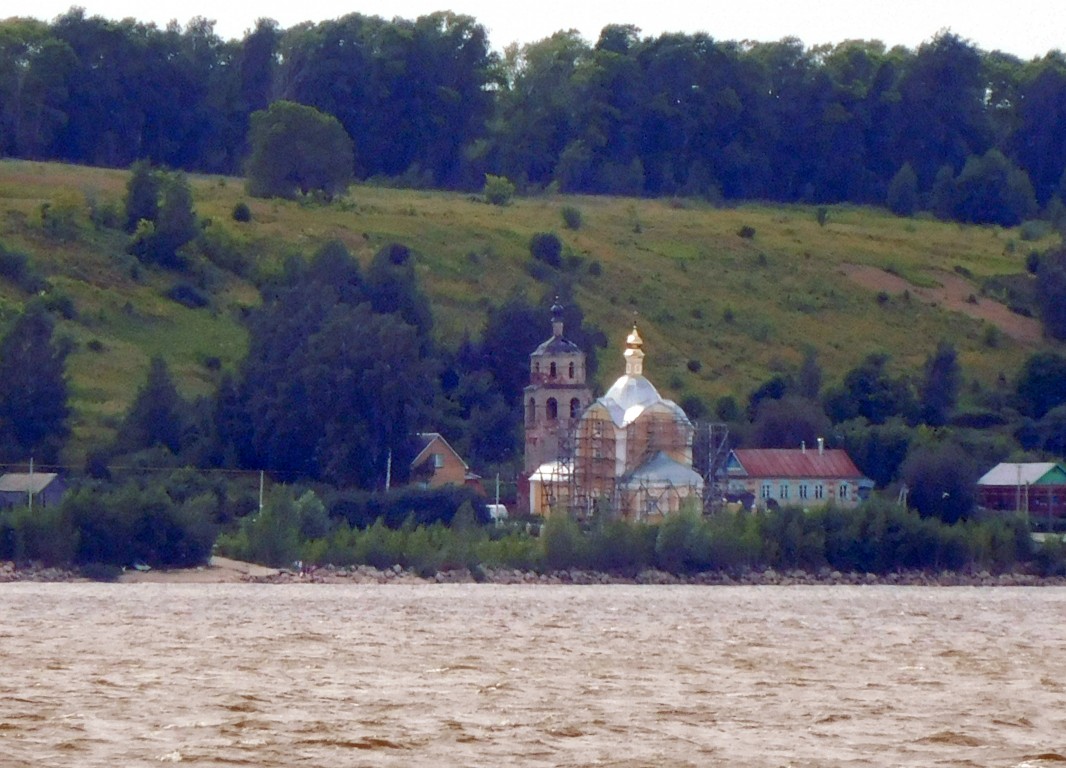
column 557, row 344
column 631, row 394
column 628, row 397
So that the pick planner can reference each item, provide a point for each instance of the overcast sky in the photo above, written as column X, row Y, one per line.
column 1025, row 28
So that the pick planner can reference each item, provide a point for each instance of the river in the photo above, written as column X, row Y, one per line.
column 490, row 675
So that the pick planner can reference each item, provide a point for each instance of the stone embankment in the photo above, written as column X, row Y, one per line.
column 365, row 574
column 10, row 572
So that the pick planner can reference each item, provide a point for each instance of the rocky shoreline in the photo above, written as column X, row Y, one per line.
column 229, row 571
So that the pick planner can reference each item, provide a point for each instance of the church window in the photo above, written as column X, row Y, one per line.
column 575, row 408
column 531, row 411
column 571, row 370
column 552, row 372
column 553, row 408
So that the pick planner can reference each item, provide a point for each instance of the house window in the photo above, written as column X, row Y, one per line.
column 553, row 408
column 843, row 495
column 783, row 491
column 575, row 408
column 819, row 491
column 765, row 492
column 551, row 372
column 438, row 461
column 803, row 490
column 571, row 370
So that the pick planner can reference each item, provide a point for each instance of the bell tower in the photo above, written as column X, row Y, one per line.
column 555, row 397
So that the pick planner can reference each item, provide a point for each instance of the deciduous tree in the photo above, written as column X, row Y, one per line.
column 295, row 149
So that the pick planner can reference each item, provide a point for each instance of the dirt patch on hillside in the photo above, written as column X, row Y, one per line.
column 954, row 293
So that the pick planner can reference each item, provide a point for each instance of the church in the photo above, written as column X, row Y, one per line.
column 626, row 455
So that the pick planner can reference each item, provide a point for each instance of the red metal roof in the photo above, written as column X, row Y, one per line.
column 795, row 462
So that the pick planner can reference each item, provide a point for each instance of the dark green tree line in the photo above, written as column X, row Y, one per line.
column 427, row 103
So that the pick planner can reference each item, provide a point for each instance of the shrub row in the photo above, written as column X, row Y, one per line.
column 878, row 538
column 130, row 523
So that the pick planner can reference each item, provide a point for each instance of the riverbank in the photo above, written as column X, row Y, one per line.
column 221, row 570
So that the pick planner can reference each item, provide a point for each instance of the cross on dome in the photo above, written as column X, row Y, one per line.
column 634, row 355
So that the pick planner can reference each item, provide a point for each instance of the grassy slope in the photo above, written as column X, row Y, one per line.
column 682, row 268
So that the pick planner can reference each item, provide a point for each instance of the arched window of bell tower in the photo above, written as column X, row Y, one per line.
column 575, row 408
column 553, row 409
column 531, row 411
column 552, row 373
column 571, row 370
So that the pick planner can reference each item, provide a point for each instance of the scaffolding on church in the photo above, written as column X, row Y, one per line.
column 588, row 479
column 710, row 452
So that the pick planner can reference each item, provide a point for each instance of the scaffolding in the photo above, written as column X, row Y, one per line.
column 710, row 452
column 596, row 474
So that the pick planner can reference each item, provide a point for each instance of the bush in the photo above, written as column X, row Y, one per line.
column 990, row 189
column 15, row 266
column 241, row 212
column 942, row 481
column 225, row 250
column 1051, row 293
column 187, row 296
column 498, row 190
column 61, row 304
column 1032, row 262
column 571, row 217
column 127, row 524
column 100, row 572
column 747, row 232
column 621, row 548
column 61, row 219
column 902, row 195
column 564, row 545
column 1034, row 229
column 106, row 214
column 546, row 247
column 419, row 506
column 678, row 543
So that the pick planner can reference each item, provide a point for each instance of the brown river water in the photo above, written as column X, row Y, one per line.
column 491, row 675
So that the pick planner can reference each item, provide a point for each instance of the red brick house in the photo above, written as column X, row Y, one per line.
column 437, row 464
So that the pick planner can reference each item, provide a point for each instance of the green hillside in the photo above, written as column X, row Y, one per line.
column 724, row 297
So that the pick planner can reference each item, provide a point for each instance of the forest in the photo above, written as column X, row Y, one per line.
column 968, row 134
column 333, row 356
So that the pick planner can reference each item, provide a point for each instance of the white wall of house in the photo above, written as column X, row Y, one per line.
column 791, row 491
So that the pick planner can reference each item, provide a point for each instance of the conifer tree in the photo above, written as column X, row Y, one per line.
column 33, row 389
